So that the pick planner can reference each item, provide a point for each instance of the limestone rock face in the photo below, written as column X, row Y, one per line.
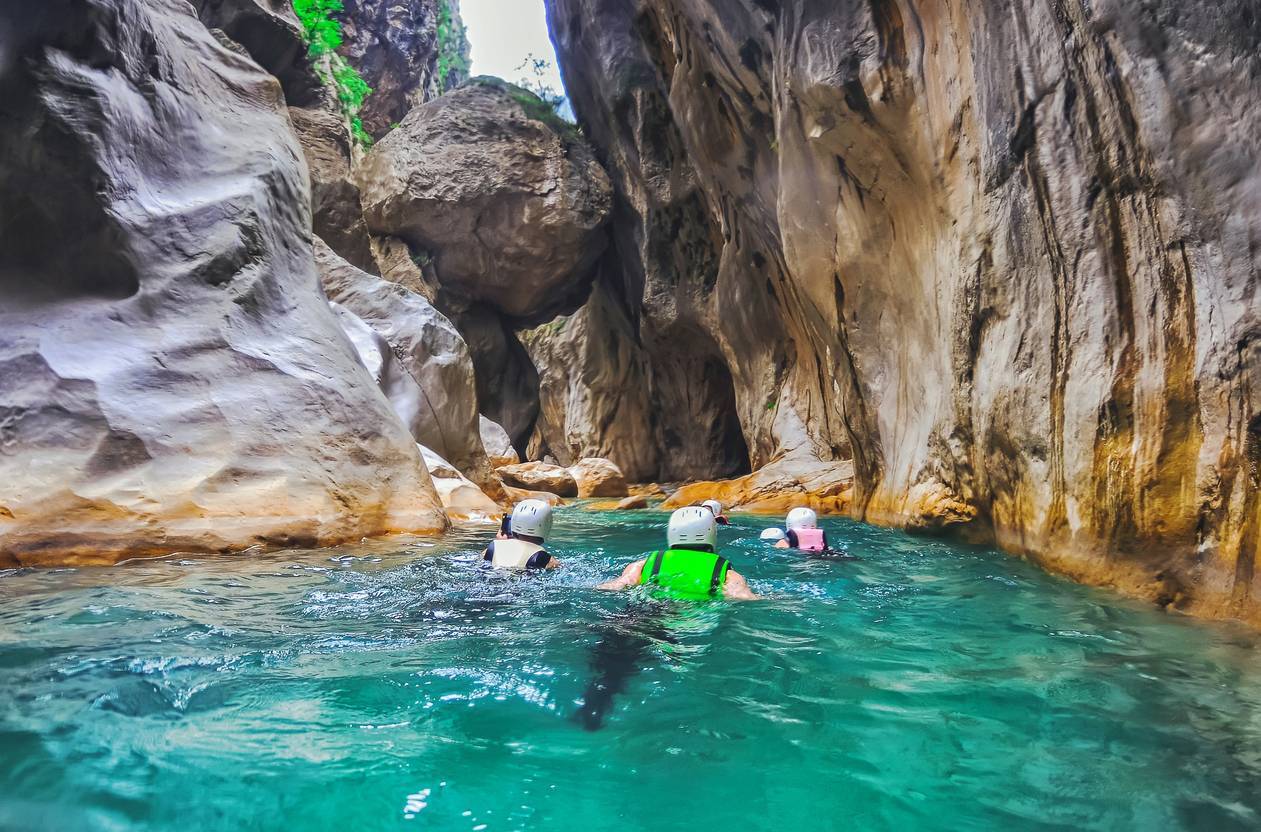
column 461, row 498
column 434, row 393
column 336, row 212
column 507, row 381
column 497, row 444
column 593, row 382
column 777, row 488
column 540, row 476
column 171, row 376
column 506, row 198
column 395, row 47
column 270, row 32
column 598, row 478
column 1003, row 256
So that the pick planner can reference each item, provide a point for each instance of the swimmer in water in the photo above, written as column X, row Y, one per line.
column 690, row 567
column 716, row 507
column 803, row 534
column 528, row 527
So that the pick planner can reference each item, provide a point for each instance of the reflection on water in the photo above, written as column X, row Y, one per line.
column 923, row 686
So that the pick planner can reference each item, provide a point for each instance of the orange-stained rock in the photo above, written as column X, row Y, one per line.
column 635, row 501
column 777, row 488
column 598, row 477
column 539, row 476
column 516, row 495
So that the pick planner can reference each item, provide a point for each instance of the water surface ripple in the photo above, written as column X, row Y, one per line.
column 394, row 685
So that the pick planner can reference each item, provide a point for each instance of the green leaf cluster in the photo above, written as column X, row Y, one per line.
column 323, row 34
column 322, row 31
column 452, row 47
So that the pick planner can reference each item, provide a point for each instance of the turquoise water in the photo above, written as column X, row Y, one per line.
column 391, row 686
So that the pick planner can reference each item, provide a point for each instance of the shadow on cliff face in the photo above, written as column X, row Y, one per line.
column 57, row 241
column 696, row 412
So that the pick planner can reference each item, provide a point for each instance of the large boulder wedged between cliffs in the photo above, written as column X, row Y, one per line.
column 438, row 403
column 505, row 197
column 171, row 376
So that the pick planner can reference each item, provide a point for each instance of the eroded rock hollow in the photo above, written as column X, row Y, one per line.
column 1003, row 256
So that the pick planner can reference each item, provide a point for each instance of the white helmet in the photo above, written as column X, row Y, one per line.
column 692, row 526
column 714, row 506
column 773, row 534
column 532, row 518
column 802, row 518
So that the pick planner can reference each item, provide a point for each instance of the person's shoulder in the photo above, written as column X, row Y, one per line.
column 539, row 560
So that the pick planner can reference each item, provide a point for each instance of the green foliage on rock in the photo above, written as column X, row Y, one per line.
column 322, row 31
column 452, row 48
column 323, row 34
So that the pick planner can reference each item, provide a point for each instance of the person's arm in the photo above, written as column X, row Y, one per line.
column 782, row 544
column 489, row 554
column 736, row 588
column 629, row 577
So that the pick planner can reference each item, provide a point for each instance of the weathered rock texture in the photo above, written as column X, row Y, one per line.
column 432, row 389
column 598, row 478
column 336, row 211
column 540, row 476
column 395, row 47
column 1003, row 255
column 270, row 32
column 171, row 376
column 506, row 198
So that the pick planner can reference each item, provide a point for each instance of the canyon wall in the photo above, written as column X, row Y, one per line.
column 171, row 375
column 1002, row 255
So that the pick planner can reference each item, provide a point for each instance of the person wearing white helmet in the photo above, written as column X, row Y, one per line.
column 716, row 507
column 803, row 532
column 527, row 528
column 690, row 567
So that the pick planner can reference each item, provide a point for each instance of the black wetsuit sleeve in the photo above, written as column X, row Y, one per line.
column 538, row 560
column 825, row 541
column 723, row 521
column 489, row 554
column 791, row 537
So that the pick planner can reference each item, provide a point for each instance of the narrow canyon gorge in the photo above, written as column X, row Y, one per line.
column 976, row 269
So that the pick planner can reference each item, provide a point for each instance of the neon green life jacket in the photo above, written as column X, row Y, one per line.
column 686, row 573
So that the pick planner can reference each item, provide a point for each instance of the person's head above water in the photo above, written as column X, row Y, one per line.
column 773, row 534
column 714, row 506
column 693, row 527
column 802, row 518
column 531, row 520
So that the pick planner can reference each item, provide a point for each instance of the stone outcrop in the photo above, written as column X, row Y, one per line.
column 336, row 211
column 777, row 488
column 540, row 476
column 270, row 32
column 462, row 499
column 598, row 478
column 171, row 376
column 1002, row 256
column 498, row 445
column 592, row 390
column 397, row 49
column 429, row 375
column 506, row 199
